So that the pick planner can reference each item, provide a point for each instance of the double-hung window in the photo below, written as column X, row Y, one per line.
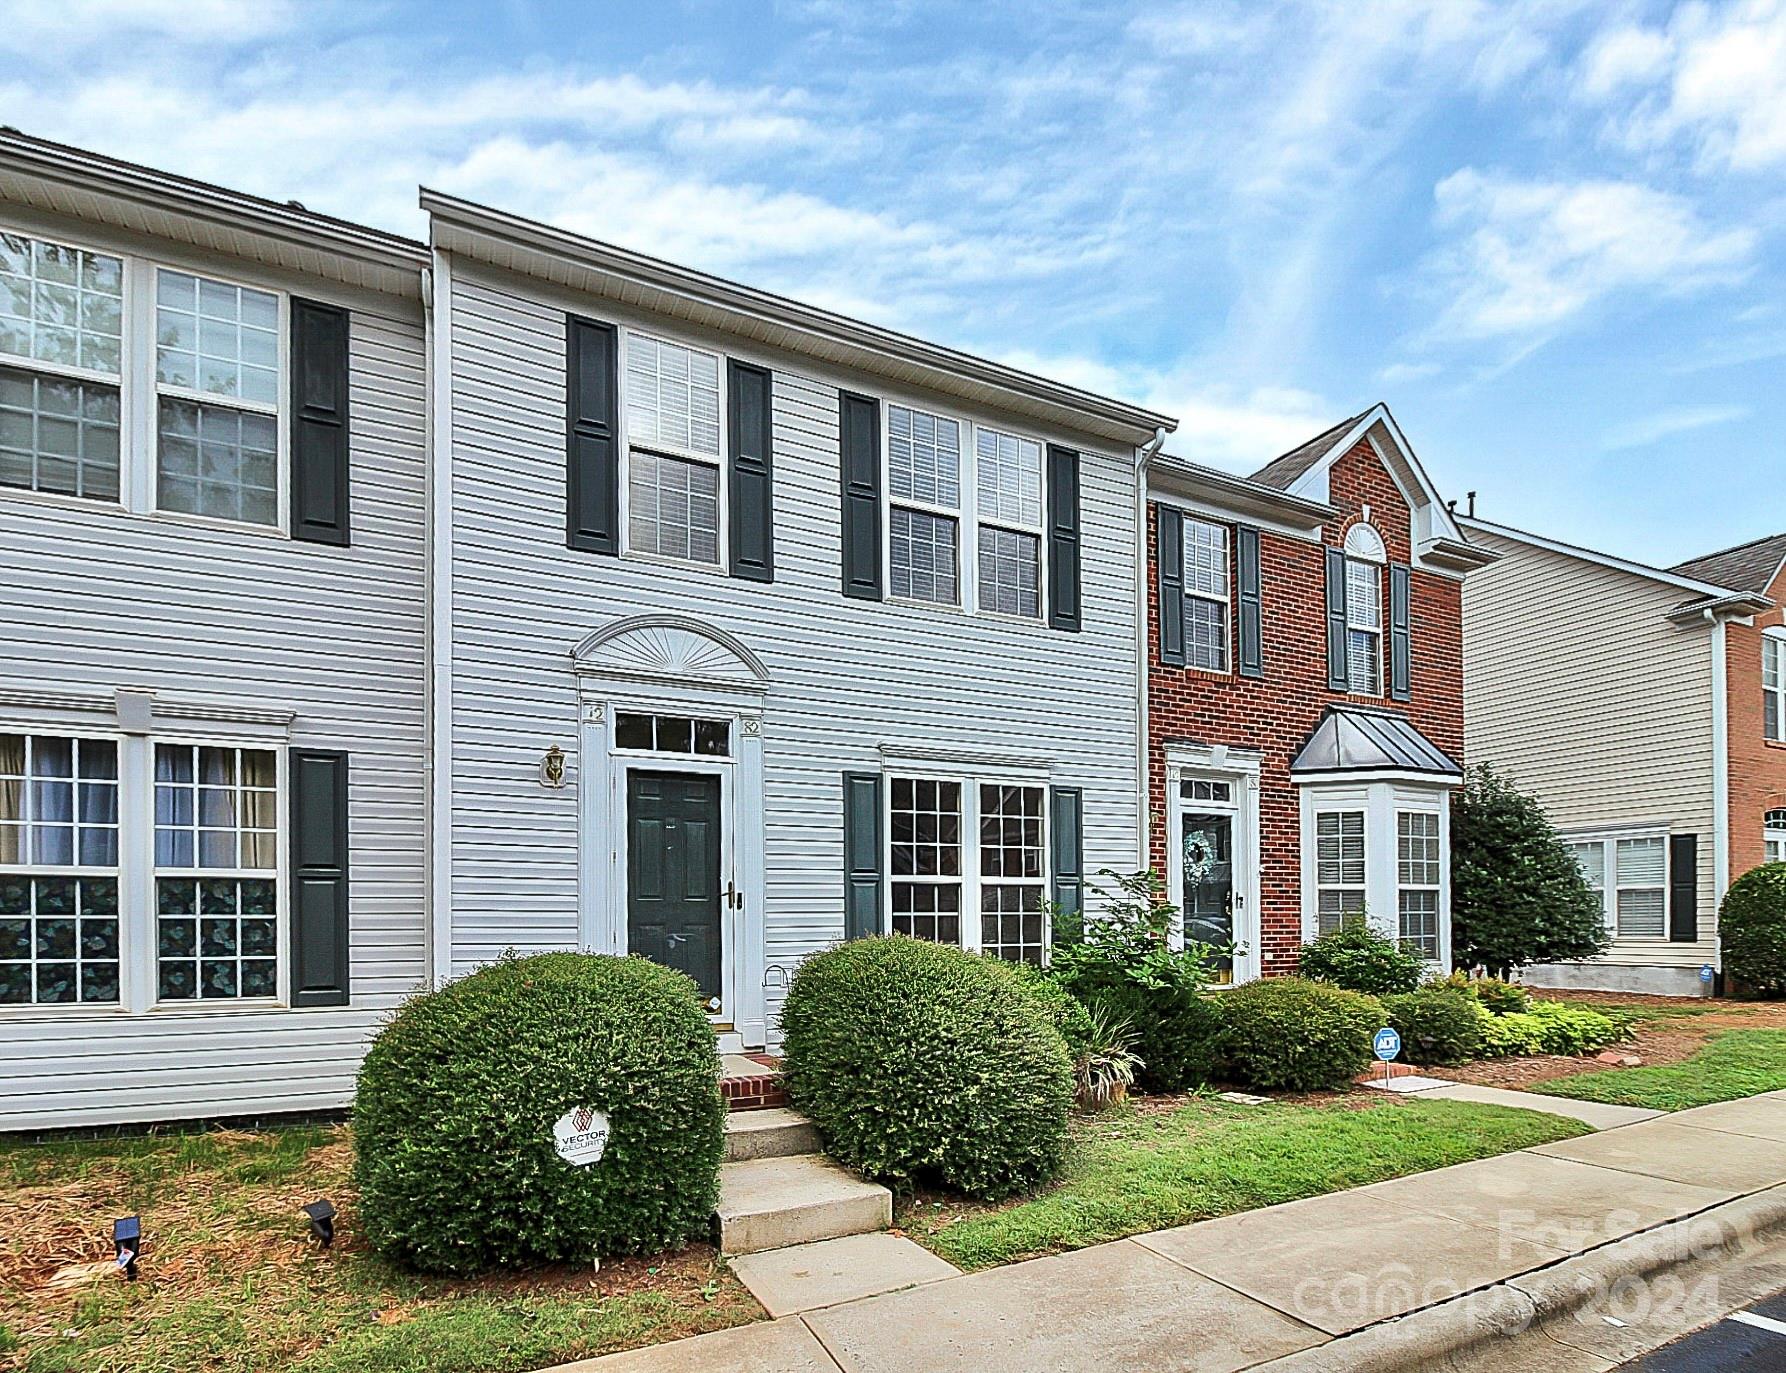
column 926, row 869
column 924, row 506
column 674, row 449
column 1417, row 881
column 1629, row 873
column 1365, row 558
column 1013, row 873
column 1773, row 686
column 1008, row 499
column 1206, row 595
column 1591, row 857
column 1339, row 868
column 1773, row 836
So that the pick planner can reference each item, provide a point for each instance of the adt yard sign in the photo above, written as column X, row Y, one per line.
column 1387, row 1044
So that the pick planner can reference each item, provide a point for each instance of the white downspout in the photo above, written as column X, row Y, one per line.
column 1720, row 773
column 1143, row 456
column 439, row 714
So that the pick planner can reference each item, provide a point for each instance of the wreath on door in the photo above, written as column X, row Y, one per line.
column 1199, row 858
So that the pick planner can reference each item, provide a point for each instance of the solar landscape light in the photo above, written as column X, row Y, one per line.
column 322, row 1220
column 127, row 1235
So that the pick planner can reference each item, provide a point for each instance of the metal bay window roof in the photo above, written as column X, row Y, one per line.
column 1349, row 739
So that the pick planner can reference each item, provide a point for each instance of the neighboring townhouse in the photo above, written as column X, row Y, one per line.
column 757, row 627
column 212, row 616
column 1646, row 708
column 1305, row 695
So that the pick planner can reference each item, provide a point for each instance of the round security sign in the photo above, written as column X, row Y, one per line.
column 581, row 1136
column 1706, row 972
column 1386, row 1044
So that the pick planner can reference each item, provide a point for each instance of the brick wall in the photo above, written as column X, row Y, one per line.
column 1275, row 714
column 1757, row 764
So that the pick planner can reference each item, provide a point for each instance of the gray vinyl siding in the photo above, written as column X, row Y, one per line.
column 846, row 675
column 1578, row 687
column 98, row 599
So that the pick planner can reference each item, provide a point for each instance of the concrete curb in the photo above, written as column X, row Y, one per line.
column 1440, row 1336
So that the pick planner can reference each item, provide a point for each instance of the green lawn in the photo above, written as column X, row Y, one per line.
column 1737, row 1063
column 231, row 1282
column 1136, row 1169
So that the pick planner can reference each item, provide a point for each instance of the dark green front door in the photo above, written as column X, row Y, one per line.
column 672, row 872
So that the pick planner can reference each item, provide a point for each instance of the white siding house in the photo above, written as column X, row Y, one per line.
column 725, row 715
column 211, row 651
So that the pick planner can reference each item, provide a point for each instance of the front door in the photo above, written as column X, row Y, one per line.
column 672, row 872
column 1206, row 844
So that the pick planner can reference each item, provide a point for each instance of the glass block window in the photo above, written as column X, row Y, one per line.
column 1640, row 907
column 1339, row 868
column 58, row 940
column 216, row 339
column 923, row 458
column 1364, row 628
column 674, row 507
column 218, row 462
column 1013, row 870
column 1011, row 572
column 673, row 734
column 921, row 556
column 672, row 396
column 58, row 802
column 1773, row 687
column 1206, row 591
column 1009, row 475
column 1417, row 880
column 62, row 306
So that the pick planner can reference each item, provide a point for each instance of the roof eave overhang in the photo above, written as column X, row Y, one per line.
column 586, row 265
column 1706, row 593
column 1175, row 478
column 1411, row 775
column 1739, row 606
column 1452, row 556
column 76, row 184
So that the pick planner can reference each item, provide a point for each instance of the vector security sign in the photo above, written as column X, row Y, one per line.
column 581, row 1136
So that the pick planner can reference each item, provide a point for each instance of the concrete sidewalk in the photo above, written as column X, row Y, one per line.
column 1251, row 1288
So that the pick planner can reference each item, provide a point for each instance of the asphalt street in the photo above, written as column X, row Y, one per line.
column 1749, row 1341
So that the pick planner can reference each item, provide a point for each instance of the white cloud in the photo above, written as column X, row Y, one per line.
column 1397, row 373
column 1621, row 57
column 1663, row 424
column 64, row 27
column 1527, row 257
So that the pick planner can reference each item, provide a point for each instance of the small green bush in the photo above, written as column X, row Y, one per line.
column 1503, row 998
column 458, row 1094
column 1360, row 959
column 1068, row 1012
column 921, row 1063
column 1438, row 1024
column 1752, row 930
column 1299, row 1035
column 1547, row 1027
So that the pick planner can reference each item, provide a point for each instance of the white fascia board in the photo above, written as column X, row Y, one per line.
column 1223, row 496
column 1436, row 780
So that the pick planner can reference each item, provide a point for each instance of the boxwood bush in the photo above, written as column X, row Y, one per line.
column 1438, row 1024
column 458, row 1095
column 1299, row 1035
column 1360, row 959
column 1752, row 930
column 921, row 1063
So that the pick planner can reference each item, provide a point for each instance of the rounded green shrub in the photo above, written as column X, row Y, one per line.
column 1067, row 1011
column 921, row 1063
column 453, row 1120
column 1299, row 1035
column 1498, row 996
column 1752, row 930
column 1547, row 1027
column 1437, row 1024
column 1360, row 959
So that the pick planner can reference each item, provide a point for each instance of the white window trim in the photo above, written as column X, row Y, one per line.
column 1773, row 835
column 720, row 463
column 138, row 389
column 1382, row 800
column 1356, row 627
column 1225, row 601
column 1434, row 886
column 1773, row 643
column 1608, row 840
column 1039, row 530
column 966, row 528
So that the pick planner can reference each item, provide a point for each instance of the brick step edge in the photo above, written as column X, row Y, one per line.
column 1395, row 1070
column 755, row 1092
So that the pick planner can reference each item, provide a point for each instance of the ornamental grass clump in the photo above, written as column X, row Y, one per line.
column 922, row 1064
column 454, row 1151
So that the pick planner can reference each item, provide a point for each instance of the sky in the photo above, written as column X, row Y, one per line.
column 1550, row 234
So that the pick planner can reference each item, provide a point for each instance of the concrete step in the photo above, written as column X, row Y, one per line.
column 766, row 1203
column 773, row 1133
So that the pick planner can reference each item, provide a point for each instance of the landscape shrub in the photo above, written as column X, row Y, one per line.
column 1299, row 1035
column 1358, row 958
column 1106, row 1067
column 1068, row 1012
column 1752, row 930
column 1438, row 1024
column 1547, row 1027
column 1124, row 967
column 454, row 1153
column 1503, row 998
column 920, row 1063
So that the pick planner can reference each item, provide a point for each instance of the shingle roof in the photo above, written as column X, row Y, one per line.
column 1749, row 566
column 1349, row 739
column 1283, row 471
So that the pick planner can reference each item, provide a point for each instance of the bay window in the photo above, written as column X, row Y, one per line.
column 1417, row 882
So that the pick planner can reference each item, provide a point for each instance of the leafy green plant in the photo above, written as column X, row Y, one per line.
column 1070, row 1015
column 921, row 1063
column 1752, row 930
column 1104, row 1068
column 1124, row 965
column 1360, row 959
column 1518, row 895
column 1548, row 1027
column 1438, row 1024
column 1299, row 1035
column 1501, row 997
column 455, row 1157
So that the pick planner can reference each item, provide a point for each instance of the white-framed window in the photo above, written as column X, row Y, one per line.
column 1339, row 868
column 1773, row 836
column 923, row 506
column 1365, row 558
column 1629, row 872
column 59, row 895
column 675, row 420
column 1207, row 591
column 937, row 882
column 1773, row 685
column 1417, row 881
column 1008, row 501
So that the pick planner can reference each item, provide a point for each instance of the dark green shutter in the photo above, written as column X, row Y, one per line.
column 1251, row 657
column 1683, row 888
column 319, row 962
column 320, row 502
column 1400, row 635
column 592, row 435
column 1169, row 564
column 1337, row 679
column 859, row 426
column 1063, row 538
column 1069, row 849
column 752, row 489
column 862, row 854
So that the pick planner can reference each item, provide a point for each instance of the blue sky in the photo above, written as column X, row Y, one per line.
column 1550, row 233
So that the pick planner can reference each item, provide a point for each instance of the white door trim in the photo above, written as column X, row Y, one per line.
column 1241, row 771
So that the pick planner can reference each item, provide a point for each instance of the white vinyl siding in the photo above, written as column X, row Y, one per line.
column 1773, row 685
column 1206, row 595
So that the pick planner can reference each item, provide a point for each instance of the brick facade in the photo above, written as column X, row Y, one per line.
column 1757, row 763
column 1276, row 713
